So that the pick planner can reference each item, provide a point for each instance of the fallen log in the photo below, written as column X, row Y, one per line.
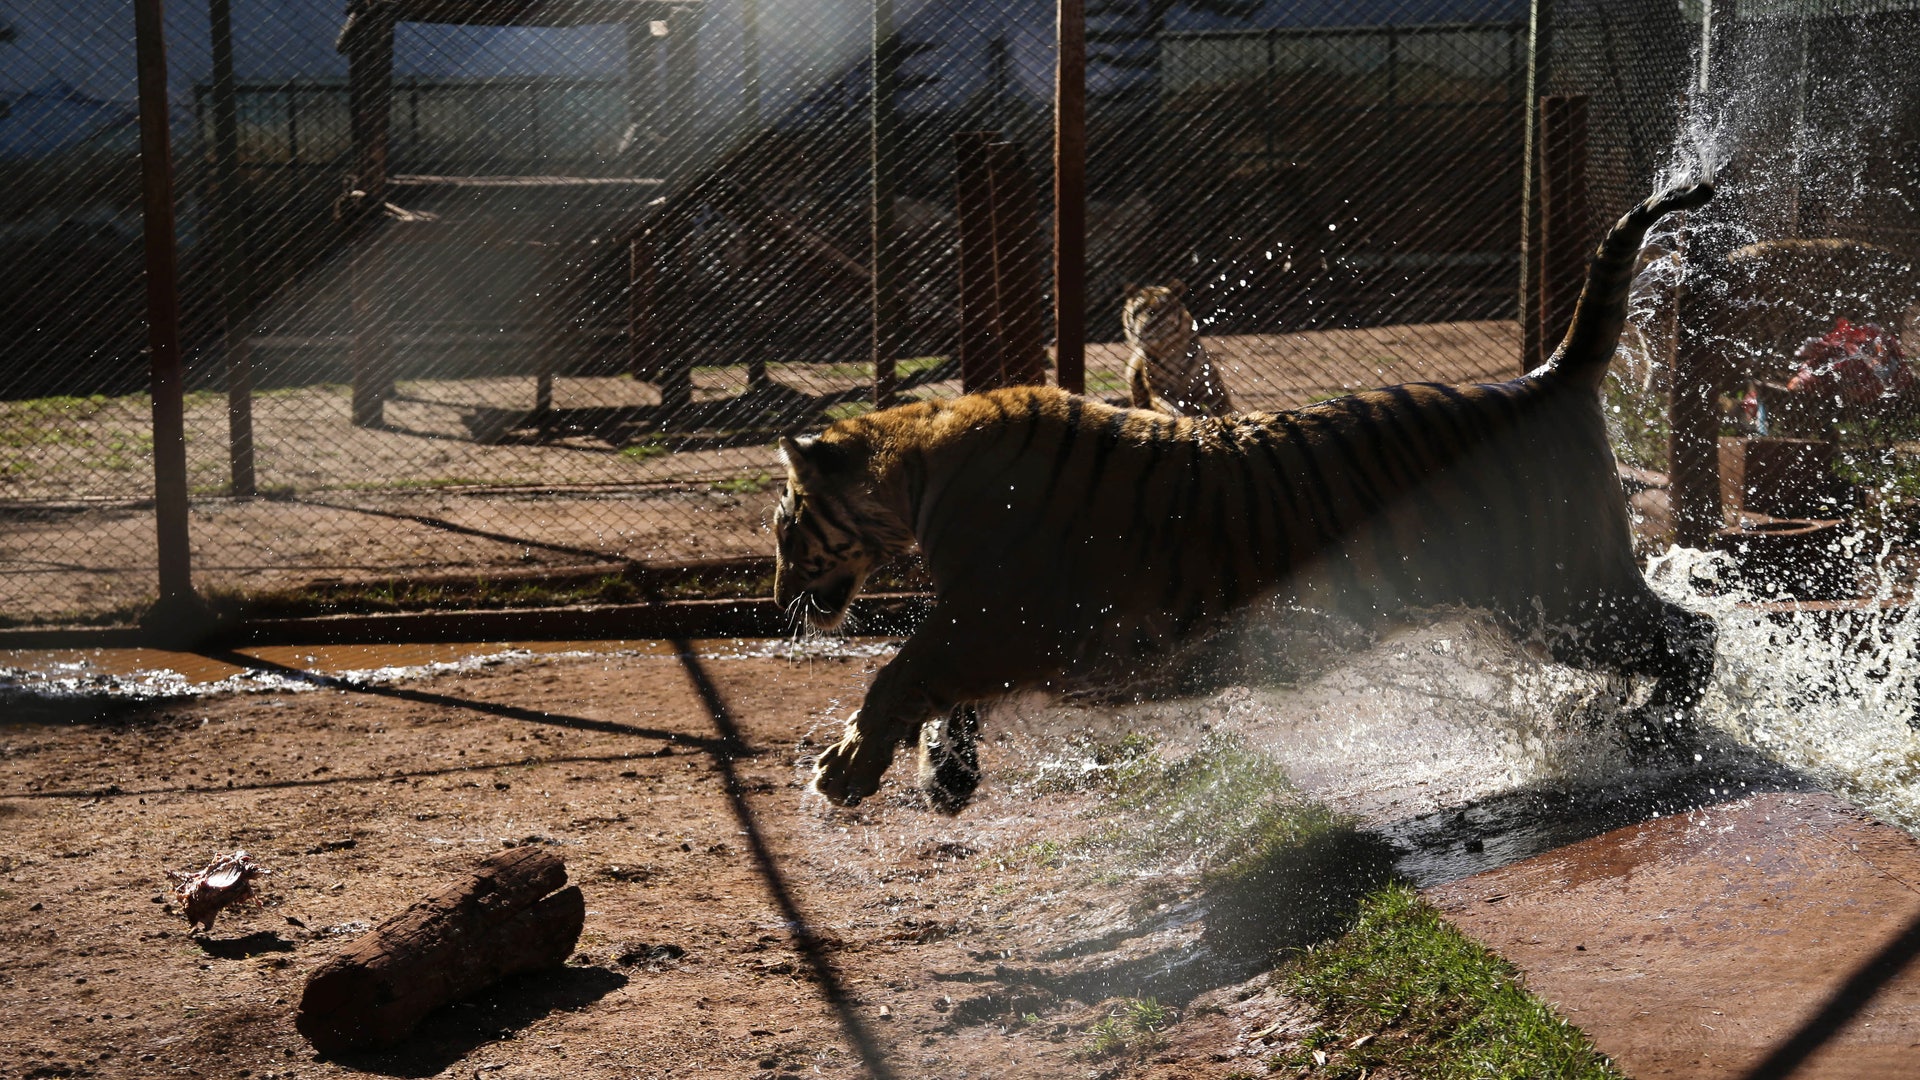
column 499, row 921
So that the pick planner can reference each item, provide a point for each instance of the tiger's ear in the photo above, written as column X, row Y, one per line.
column 1176, row 288
column 808, row 457
column 794, row 453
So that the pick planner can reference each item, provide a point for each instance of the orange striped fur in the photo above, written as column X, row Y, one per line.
column 1065, row 536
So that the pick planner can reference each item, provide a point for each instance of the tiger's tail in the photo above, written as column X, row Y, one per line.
column 1601, row 314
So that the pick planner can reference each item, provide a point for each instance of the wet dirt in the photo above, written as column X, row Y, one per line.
column 735, row 926
column 1774, row 930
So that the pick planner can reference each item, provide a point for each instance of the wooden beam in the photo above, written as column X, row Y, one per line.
column 1019, row 285
column 1070, row 197
column 370, row 108
column 1566, row 214
column 1539, row 76
column 980, row 353
column 884, row 137
column 173, row 551
column 228, row 214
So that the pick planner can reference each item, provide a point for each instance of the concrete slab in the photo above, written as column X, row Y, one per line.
column 1770, row 936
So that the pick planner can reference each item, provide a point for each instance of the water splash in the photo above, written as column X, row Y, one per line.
column 1833, row 694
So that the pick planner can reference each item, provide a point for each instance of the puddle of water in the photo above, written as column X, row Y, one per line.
column 160, row 674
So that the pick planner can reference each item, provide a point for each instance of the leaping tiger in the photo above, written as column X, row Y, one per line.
column 1062, row 534
column 1168, row 367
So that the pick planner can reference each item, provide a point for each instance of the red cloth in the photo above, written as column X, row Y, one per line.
column 1861, row 367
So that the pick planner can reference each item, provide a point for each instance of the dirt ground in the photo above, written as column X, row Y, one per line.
column 736, row 926
column 422, row 495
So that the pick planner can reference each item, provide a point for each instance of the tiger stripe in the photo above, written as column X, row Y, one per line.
column 1065, row 536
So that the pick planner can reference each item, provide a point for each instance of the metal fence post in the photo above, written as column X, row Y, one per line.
column 175, row 556
column 1070, row 197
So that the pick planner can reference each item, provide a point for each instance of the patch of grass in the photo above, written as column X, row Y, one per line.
column 746, row 485
column 1279, row 870
column 652, row 446
column 1638, row 423
column 41, row 435
column 1096, row 765
column 847, row 410
column 1132, row 1026
column 1212, row 805
column 1406, row 991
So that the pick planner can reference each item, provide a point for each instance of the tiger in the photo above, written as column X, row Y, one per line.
column 1065, row 536
column 1168, row 367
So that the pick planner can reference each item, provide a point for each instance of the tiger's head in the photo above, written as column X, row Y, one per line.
column 1155, row 314
column 831, row 527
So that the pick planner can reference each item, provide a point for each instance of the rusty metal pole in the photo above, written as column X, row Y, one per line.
column 163, row 316
column 233, row 276
column 1070, row 197
column 885, row 136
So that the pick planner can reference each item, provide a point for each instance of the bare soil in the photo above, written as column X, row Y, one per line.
column 424, row 496
column 735, row 925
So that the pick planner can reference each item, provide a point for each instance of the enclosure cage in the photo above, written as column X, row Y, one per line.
column 526, row 291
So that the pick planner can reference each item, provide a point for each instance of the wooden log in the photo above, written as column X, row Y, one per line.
column 499, row 921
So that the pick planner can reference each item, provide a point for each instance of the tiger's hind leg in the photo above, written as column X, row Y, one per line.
column 1641, row 634
column 950, row 758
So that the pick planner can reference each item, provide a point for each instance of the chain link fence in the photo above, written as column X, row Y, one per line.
column 1800, row 294
column 502, row 290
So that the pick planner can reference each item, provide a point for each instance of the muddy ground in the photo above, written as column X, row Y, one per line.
column 736, row 926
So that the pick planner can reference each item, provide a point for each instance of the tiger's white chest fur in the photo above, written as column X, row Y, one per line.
column 1168, row 367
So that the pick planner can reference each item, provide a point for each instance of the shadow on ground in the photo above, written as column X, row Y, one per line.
column 454, row 1031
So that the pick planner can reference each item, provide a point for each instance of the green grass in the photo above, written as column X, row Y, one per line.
column 652, row 446
column 746, row 485
column 1639, row 423
column 48, row 434
column 1132, row 1026
column 1420, row 998
column 902, row 368
column 847, row 410
column 1279, row 871
column 1106, row 383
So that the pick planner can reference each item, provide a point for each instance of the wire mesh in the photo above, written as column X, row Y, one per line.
column 1800, row 275
column 483, row 288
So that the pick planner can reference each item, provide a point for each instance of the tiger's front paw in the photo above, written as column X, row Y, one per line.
column 851, row 770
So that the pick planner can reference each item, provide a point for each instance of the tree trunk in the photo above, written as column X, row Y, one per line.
column 469, row 936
